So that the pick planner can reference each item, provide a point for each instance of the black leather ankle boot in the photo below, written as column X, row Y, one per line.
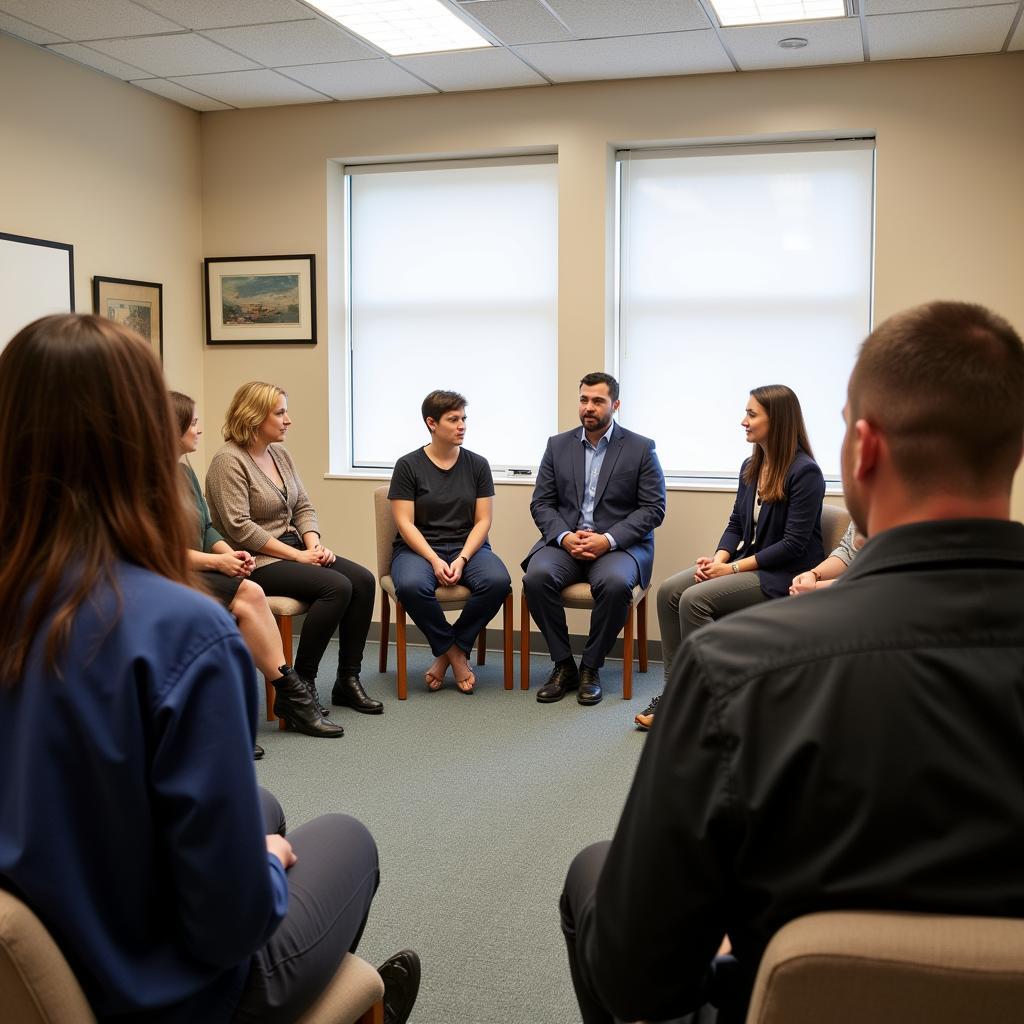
column 348, row 692
column 296, row 708
column 315, row 694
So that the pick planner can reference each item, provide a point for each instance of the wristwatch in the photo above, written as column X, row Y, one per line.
column 735, row 566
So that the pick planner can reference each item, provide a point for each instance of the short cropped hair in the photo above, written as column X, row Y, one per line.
column 602, row 378
column 251, row 405
column 437, row 403
column 945, row 383
column 184, row 408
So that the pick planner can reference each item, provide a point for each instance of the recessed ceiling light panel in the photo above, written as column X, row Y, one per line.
column 403, row 26
column 762, row 12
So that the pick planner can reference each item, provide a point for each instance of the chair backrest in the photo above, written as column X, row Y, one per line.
column 851, row 967
column 834, row 521
column 386, row 530
column 36, row 984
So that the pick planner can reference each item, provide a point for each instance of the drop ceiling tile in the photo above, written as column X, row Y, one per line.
column 909, row 6
column 178, row 93
column 755, row 47
column 672, row 53
column 939, row 33
column 94, row 59
column 1017, row 42
column 224, row 13
column 180, row 54
column 95, row 19
column 263, row 88
column 358, row 79
column 294, row 42
column 588, row 19
column 517, row 21
column 493, row 68
column 23, row 30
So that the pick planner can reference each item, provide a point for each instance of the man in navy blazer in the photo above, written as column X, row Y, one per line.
column 600, row 494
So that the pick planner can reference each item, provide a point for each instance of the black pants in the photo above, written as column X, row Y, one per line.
column 580, row 884
column 330, row 889
column 340, row 597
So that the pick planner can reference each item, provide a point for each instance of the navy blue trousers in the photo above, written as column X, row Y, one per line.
column 415, row 583
column 612, row 578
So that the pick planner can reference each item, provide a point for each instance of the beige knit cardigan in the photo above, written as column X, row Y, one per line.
column 247, row 508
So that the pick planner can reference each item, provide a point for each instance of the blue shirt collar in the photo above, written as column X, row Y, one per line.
column 606, row 436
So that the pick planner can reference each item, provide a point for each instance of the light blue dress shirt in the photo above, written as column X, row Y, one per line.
column 593, row 460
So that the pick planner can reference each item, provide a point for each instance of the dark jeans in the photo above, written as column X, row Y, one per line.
column 580, row 884
column 415, row 583
column 340, row 597
column 612, row 578
column 330, row 889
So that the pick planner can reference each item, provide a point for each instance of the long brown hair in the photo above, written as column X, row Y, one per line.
column 786, row 434
column 88, row 475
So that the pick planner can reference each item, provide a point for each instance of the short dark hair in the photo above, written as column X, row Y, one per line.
column 437, row 403
column 602, row 378
column 945, row 383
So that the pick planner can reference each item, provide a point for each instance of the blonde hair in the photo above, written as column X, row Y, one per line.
column 251, row 405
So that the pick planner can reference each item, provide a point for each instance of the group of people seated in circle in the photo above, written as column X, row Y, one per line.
column 128, row 699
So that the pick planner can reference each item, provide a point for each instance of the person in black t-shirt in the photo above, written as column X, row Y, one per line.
column 442, row 497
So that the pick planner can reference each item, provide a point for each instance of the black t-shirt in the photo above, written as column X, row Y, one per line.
column 445, row 499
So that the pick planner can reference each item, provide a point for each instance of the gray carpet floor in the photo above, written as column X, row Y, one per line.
column 478, row 804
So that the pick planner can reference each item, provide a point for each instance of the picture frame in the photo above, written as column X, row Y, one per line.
column 37, row 277
column 260, row 300
column 137, row 305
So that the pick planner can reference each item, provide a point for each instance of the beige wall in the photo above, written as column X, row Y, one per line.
column 144, row 189
column 950, row 220
column 114, row 171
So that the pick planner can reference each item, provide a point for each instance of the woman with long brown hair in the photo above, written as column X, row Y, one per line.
column 130, row 819
column 773, row 534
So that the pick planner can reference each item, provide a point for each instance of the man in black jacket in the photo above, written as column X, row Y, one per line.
column 861, row 748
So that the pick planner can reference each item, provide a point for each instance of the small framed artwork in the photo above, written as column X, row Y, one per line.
column 138, row 305
column 261, row 300
column 37, row 277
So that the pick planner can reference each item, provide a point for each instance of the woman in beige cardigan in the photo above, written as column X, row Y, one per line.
column 258, row 503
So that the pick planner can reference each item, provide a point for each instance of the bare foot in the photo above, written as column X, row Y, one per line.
column 436, row 673
column 464, row 678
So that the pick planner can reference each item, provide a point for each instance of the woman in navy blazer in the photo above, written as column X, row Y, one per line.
column 773, row 534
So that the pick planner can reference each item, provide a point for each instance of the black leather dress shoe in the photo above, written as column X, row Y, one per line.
column 590, row 686
column 564, row 677
column 401, row 976
column 257, row 752
column 348, row 692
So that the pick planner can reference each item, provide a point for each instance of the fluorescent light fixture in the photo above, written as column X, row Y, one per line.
column 763, row 12
column 403, row 26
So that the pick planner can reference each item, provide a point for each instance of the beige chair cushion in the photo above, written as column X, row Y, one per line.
column 884, row 968
column 834, row 521
column 287, row 606
column 36, row 984
column 578, row 595
column 353, row 990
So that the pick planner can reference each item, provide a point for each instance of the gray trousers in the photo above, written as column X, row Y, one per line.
column 330, row 888
column 685, row 605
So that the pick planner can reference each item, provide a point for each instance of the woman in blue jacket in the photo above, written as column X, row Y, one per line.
column 773, row 534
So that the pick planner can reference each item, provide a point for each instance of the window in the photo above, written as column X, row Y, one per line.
column 737, row 267
column 452, row 284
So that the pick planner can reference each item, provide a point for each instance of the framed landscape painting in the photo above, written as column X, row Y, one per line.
column 138, row 305
column 264, row 300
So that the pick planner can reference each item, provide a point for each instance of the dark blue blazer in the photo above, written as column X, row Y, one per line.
column 788, row 531
column 630, row 493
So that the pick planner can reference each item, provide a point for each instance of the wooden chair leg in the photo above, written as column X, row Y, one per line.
column 385, row 630
column 284, row 627
column 524, row 644
column 374, row 1015
column 506, row 626
column 481, row 647
column 403, row 680
column 627, row 657
column 641, row 633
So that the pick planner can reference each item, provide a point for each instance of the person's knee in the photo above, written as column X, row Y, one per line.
column 497, row 581
column 361, row 578
column 616, row 591
column 415, row 589
column 344, row 833
column 581, row 880
column 537, row 582
column 249, row 600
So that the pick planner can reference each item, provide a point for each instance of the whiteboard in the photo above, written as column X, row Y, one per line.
column 37, row 277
